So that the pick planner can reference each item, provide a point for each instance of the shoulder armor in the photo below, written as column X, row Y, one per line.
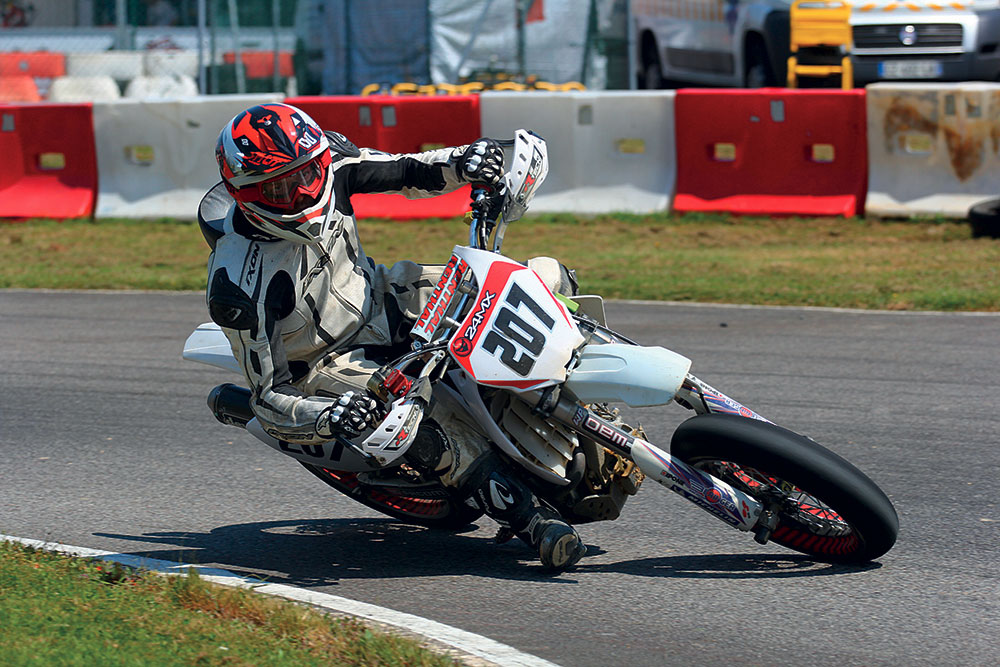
column 228, row 305
column 341, row 145
column 212, row 213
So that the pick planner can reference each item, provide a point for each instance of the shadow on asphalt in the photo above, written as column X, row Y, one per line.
column 317, row 553
column 730, row 566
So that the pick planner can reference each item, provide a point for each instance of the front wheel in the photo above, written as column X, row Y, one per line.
column 410, row 501
column 825, row 507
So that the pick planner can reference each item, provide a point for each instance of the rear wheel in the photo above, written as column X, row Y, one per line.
column 823, row 505
column 397, row 495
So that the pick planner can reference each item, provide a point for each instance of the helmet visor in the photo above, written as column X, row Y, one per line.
column 283, row 191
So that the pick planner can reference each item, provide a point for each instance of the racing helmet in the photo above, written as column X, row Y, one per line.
column 275, row 161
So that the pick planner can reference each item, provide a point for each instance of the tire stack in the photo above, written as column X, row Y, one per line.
column 984, row 218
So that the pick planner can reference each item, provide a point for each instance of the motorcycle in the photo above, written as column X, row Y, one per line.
column 537, row 372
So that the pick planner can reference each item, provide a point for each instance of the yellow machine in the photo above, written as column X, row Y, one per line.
column 820, row 41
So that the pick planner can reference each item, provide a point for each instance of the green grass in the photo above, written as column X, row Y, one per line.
column 858, row 263
column 56, row 610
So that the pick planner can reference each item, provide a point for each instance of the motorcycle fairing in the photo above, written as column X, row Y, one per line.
column 517, row 334
column 208, row 345
column 637, row 376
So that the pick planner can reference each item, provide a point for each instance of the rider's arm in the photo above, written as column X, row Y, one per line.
column 251, row 321
column 418, row 174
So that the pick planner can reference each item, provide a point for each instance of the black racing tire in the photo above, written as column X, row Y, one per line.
column 437, row 509
column 834, row 513
column 984, row 218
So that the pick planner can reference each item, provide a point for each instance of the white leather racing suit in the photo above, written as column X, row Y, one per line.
column 309, row 322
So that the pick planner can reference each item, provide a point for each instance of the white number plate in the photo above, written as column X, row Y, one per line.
column 909, row 69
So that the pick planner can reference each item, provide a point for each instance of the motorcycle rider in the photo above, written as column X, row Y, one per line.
column 310, row 317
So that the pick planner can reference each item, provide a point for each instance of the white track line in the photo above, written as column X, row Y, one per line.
column 466, row 642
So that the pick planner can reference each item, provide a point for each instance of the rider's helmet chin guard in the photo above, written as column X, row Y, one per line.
column 276, row 163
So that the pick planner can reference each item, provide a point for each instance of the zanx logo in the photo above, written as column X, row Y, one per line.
column 477, row 318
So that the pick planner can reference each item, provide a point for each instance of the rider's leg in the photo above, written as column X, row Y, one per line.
column 465, row 462
column 491, row 486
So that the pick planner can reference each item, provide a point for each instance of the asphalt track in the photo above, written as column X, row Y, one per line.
column 107, row 444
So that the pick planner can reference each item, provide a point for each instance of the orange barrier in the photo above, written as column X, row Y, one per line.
column 771, row 151
column 400, row 124
column 18, row 89
column 50, row 163
column 260, row 64
column 42, row 64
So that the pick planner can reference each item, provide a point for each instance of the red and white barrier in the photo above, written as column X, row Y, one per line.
column 50, row 169
column 401, row 125
column 914, row 149
column 771, row 151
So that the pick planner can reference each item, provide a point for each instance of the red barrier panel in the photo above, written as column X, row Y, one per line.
column 398, row 124
column 50, row 162
column 354, row 117
column 260, row 64
column 771, row 151
column 19, row 89
column 42, row 64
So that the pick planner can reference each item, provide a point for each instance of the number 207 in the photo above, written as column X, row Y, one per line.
column 518, row 342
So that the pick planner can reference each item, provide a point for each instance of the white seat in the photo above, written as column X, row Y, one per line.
column 161, row 87
column 84, row 89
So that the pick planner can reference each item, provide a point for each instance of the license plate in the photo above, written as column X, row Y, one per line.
column 909, row 69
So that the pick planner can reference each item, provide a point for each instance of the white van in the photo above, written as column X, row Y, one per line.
column 745, row 43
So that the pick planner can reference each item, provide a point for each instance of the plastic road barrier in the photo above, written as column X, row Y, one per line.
column 260, row 64
column 161, row 87
column 771, row 151
column 608, row 151
column 170, row 63
column 400, row 125
column 38, row 64
column 84, row 89
column 934, row 148
column 119, row 65
column 19, row 89
column 157, row 158
column 50, row 169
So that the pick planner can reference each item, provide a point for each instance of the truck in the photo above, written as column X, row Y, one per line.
column 745, row 43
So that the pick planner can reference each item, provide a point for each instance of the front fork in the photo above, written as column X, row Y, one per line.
column 707, row 492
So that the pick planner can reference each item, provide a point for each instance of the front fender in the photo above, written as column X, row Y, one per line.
column 631, row 374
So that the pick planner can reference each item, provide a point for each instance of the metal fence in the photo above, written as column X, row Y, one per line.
column 92, row 50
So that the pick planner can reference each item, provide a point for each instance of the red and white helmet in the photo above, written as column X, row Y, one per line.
column 275, row 162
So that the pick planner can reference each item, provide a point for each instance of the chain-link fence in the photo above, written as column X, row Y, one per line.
column 92, row 50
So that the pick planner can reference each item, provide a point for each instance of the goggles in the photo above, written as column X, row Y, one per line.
column 284, row 191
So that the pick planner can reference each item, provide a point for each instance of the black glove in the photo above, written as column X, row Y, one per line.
column 482, row 163
column 352, row 414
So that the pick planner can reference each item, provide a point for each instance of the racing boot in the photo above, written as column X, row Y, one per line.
column 507, row 500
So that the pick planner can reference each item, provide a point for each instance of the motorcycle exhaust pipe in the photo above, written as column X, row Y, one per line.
column 230, row 404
